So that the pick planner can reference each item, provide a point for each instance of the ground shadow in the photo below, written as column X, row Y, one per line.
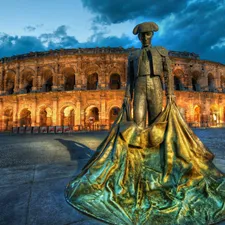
column 77, row 150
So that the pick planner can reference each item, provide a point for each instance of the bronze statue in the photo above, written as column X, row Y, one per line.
column 144, row 77
column 161, row 174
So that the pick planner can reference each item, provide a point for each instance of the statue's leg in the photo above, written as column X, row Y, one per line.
column 140, row 103
column 154, row 98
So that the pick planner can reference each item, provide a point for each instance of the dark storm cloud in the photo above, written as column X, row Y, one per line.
column 117, row 11
column 194, row 26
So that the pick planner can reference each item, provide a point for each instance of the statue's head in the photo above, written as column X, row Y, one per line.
column 145, row 32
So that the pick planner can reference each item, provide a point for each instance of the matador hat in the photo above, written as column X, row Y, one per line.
column 145, row 27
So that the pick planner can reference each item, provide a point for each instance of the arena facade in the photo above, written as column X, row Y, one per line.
column 83, row 89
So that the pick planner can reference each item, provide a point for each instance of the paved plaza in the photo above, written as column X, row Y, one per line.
column 35, row 169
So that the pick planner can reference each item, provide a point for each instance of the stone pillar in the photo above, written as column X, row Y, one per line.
column 1, row 83
column 17, row 80
column 35, row 81
column 33, row 112
column 103, row 114
column 55, row 82
column 1, row 115
column 78, row 113
column 15, row 113
column 55, row 119
column 39, row 84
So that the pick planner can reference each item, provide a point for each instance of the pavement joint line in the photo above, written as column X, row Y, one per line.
column 29, row 198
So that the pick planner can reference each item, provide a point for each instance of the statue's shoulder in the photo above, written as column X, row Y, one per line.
column 162, row 51
column 134, row 54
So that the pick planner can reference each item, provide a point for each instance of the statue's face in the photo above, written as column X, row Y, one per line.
column 145, row 38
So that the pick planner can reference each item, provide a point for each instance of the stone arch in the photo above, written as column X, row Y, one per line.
column 8, row 119
column 27, row 78
column 195, row 80
column 25, row 117
column 178, row 79
column 197, row 115
column 46, row 79
column 115, row 81
column 69, row 78
column 91, row 116
column 211, row 83
column 10, row 81
column 67, row 115
column 92, row 81
column 113, row 113
column 214, row 116
column 45, row 116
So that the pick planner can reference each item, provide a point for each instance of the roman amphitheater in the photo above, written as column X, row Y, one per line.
column 83, row 89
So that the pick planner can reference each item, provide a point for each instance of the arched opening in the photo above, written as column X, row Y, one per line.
column 197, row 115
column 214, row 116
column 8, row 119
column 178, row 75
column 113, row 115
column 115, row 81
column 92, row 81
column 211, row 84
column 92, row 118
column 69, row 79
column 47, row 80
column 177, row 83
column 67, row 116
column 10, row 83
column 28, row 81
column 25, row 118
column 195, row 81
column 45, row 116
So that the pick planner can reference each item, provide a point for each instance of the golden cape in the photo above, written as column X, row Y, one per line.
column 161, row 175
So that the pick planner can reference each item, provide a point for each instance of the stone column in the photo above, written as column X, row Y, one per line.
column 55, row 119
column 33, row 112
column 1, row 83
column 103, row 114
column 15, row 113
column 17, row 80
column 35, row 85
column 78, row 113
column 55, row 82
column 1, row 114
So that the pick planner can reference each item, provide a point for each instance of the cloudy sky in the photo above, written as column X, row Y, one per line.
column 193, row 25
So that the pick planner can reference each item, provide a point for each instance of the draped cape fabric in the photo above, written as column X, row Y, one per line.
column 159, row 175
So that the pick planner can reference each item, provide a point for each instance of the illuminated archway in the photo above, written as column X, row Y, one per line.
column 115, row 82
column 113, row 113
column 91, row 117
column 45, row 116
column 68, row 116
column 25, row 118
column 8, row 119
column 214, row 116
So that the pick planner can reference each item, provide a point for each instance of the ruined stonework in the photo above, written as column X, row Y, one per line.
column 84, row 88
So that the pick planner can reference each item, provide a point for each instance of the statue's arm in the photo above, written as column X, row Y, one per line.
column 167, row 69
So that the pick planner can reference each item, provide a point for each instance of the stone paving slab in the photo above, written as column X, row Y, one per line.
column 14, row 204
